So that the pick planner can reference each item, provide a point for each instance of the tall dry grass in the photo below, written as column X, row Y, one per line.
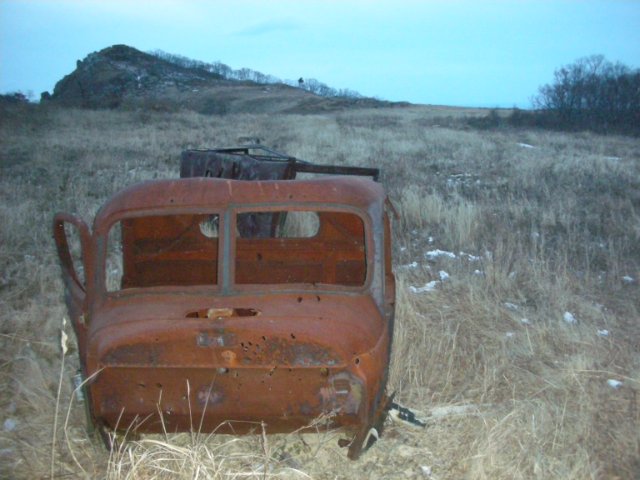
column 547, row 223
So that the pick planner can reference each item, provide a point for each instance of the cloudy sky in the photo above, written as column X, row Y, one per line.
column 457, row 52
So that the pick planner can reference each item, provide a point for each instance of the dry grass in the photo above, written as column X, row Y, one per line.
column 547, row 230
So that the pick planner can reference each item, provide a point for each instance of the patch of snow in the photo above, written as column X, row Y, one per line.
column 10, row 425
column 511, row 306
column 402, row 249
column 614, row 383
column 603, row 333
column 471, row 258
column 509, row 334
column 409, row 265
column 443, row 275
column 426, row 470
column 433, row 254
column 478, row 272
column 525, row 145
column 627, row 279
column 428, row 287
column 430, row 240
column 569, row 318
column 525, row 321
column 611, row 158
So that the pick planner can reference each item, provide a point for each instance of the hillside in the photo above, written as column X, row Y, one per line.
column 123, row 77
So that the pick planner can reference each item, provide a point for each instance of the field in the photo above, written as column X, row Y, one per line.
column 517, row 255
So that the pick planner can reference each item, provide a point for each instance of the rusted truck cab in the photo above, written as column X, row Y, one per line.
column 192, row 318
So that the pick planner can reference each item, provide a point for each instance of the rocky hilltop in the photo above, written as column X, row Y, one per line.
column 123, row 77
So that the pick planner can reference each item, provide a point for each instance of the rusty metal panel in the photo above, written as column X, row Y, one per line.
column 256, row 162
column 224, row 326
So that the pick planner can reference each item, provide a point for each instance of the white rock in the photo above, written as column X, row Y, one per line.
column 478, row 272
column 627, row 279
column 614, row 383
column 525, row 145
column 525, row 321
column 509, row 334
column 443, row 275
column 603, row 333
column 569, row 318
column 426, row 470
column 511, row 306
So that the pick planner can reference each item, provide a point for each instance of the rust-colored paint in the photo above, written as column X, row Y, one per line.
column 223, row 328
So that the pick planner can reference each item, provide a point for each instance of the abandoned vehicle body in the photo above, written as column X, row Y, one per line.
column 187, row 318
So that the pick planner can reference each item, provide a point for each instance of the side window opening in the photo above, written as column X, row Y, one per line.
column 306, row 247
column 163, row 250
column 75, row 251
column 113, row 259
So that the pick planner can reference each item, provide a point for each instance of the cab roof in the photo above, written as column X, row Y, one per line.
column 205, row 193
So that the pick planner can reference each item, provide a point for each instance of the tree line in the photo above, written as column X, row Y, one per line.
column 246, row 74
column 590, row 94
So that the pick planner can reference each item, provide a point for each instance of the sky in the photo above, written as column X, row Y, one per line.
column 457, row 52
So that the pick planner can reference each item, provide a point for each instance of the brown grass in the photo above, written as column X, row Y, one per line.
column 554, row 228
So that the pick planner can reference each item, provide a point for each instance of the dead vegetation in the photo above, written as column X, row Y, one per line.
column 530, row 241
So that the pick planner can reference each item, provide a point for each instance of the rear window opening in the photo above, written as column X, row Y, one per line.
column 163, row 250
column 300, row 247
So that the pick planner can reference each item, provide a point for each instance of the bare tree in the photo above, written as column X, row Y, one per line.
column 592, row 93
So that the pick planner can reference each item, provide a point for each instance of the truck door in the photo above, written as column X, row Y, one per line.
column 76, row 267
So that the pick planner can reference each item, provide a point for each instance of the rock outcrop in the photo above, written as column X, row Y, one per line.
column 123, row 77
column 118, row 74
